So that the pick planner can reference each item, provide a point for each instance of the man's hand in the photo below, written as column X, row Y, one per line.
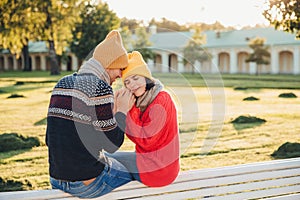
column 124, row 100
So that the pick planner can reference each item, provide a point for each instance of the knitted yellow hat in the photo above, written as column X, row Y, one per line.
column 136, row 66
column 111, row 52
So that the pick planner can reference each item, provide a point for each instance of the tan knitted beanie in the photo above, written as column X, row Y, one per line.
column 111, row 52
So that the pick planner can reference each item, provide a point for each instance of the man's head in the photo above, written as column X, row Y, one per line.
column 112, row 55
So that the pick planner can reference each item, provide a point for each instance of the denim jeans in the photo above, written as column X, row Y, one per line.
column 114, row 175
column 128, row 159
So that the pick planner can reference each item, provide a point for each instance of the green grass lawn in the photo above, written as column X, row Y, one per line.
column 204, row 108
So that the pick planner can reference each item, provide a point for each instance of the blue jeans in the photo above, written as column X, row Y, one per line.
column 128, row 159
column 114, row 175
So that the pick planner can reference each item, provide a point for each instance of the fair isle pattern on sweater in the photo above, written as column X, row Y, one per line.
column 85, row 99
column 79, row 95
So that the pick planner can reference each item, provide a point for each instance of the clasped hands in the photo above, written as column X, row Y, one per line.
column 123, row 101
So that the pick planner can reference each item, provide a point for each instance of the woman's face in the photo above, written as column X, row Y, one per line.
column 136, row 84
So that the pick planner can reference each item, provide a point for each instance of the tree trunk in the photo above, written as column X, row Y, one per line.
column 53, row 59
column 257, row 68
column 25, row 52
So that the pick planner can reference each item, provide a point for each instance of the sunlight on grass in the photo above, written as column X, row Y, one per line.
column 26, row 116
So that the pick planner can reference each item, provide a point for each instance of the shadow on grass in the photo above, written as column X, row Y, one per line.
column 239, row 127
column 13, row 96
column 24, row 86
column 9, row 154
column 41, row 122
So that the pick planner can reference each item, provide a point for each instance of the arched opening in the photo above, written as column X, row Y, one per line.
column 243, row 66
column 1, row 63
column 19, row 63
column 10, row 63
column 69, row 63
column 157, row 63
column 173, row 62
column 38, row 63
column 224, row 62
column 286, row 62
column 48, row 64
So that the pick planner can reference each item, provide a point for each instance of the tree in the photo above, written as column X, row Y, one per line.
column 142, row 43
column 60, row 17
column 284, row 15
column 260, row 53
column 166, row 25
column 126, row 37
column 19, row 23
column 50, row 20
column 132, row 24
column 194, row 51
column 96, row 21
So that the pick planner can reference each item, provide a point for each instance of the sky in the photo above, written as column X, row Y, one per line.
column 237, row 13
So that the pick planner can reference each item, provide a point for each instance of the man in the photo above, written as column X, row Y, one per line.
column 81, row 124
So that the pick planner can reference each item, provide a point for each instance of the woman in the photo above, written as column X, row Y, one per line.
column 152, row 125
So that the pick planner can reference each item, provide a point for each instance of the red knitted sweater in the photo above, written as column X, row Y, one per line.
column 155, row 134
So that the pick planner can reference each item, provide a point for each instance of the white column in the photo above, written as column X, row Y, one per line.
column 75, row 66
column 296, row 69
column 63, row 66
column 233, row 62
column 43, row 62
column 164, row 62
column 15, row 63
column 252, row 67
column 33, row 63
column 197, row 66
column 274, row 61
column 180, row 63
column 214, row 62
column 150, row 64
column 5, row 62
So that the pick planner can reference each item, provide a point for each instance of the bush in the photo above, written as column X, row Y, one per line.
column 20, row 83
column 250, row 99
column 247, row 119
column 11, row 185
column 13, row 141
column 287, row 150
column 287, row 95
column 240, row 88
column 15, row 96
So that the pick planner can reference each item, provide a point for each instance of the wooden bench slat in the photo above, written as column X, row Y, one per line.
column 243, row 168
column 276, row 178
column 248, row 188
column 287, row 197
column 214, row 182
column 203, row 194
column 228, row 171
column 261, row 193
column 33, row 194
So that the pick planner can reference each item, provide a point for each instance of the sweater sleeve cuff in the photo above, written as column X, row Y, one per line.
column 121, row 120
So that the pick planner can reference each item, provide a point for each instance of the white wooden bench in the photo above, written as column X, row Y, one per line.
column 272, row 180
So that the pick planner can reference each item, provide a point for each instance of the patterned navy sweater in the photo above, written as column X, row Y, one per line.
column 80, row 124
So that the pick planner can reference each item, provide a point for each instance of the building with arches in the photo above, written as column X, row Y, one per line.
column 38, row 58
column 227, row 50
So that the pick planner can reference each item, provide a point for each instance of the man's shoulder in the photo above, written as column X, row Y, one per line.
column 86, row 83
